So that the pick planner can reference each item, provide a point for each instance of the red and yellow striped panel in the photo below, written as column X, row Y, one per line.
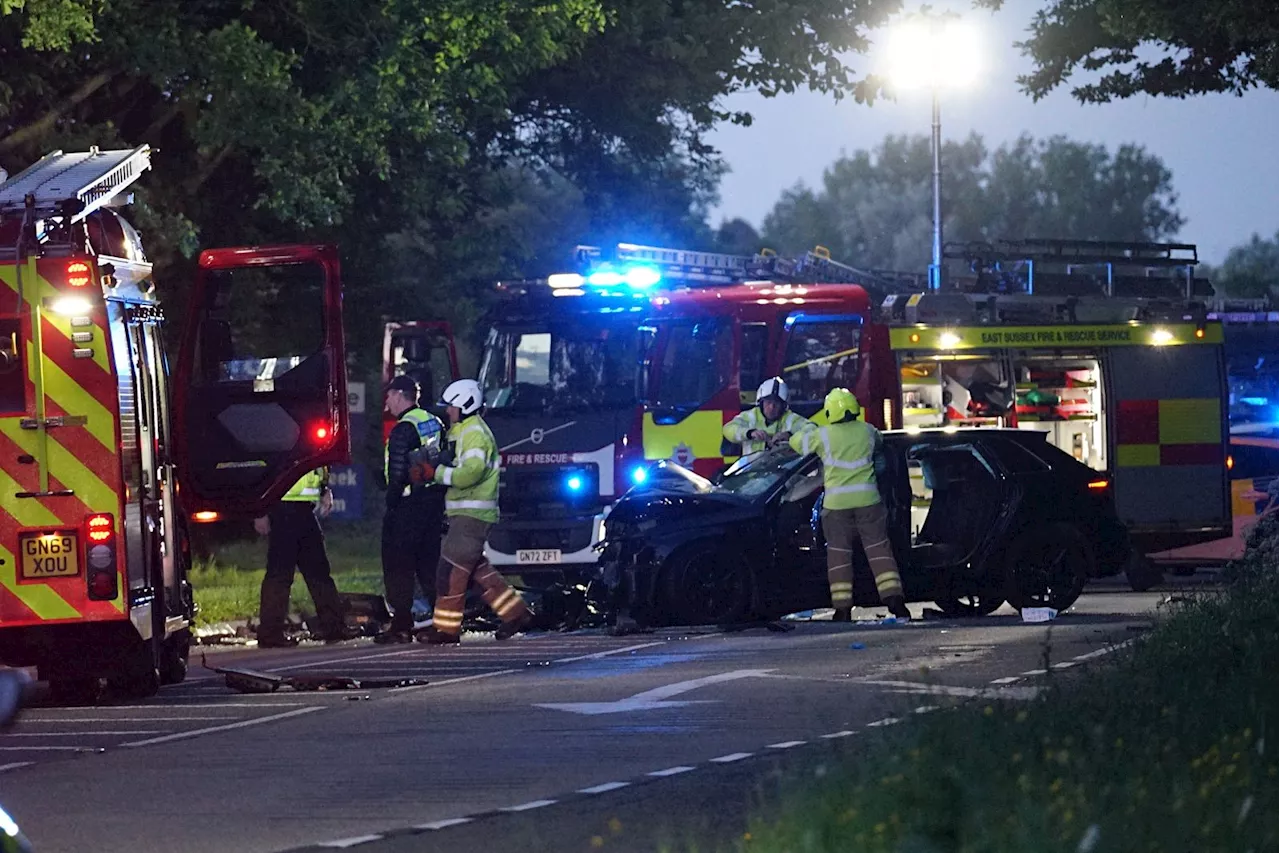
column 83, row 458
column 1184, row 431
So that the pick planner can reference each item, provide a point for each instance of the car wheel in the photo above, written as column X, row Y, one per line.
column 173, row 658
column 703, row 585
column 1142, row 572
column 1048, row 567
column 971, row 605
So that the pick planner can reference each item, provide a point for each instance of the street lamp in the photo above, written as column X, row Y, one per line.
column 934, row 52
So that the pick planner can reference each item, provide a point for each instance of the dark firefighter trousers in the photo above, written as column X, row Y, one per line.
column 846, row 527
column 296, row 541
column 462, row 562
column 411, row 534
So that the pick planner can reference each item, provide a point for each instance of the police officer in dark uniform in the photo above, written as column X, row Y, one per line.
column 414, row 520
column 294, row 540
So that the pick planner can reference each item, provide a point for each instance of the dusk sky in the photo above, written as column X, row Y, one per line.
column 1223, row 151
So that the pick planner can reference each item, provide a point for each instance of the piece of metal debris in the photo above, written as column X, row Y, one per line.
column 253, row 681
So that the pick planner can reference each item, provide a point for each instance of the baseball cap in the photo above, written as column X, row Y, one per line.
column 404, row 384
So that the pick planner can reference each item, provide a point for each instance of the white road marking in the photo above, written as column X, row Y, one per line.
column 655, row 699
column 351, row 842
column 596, row 655
column 1007, row 680
column 44, row 720
column 731, row 757
column 339, row 661
column 1034, row 672
column 444, row 824
column 1066, row 664
column 924, row 709
column 14, row 765
column 524, row 807
column 214, row 704
column 786, row 744
column 671, row 771
column 47, row 748
column 443, row 681
column 833, row 735
column 964, row 692
column 211, row 729
column 1099, row 652
column 606, row 787
column 82, row 734
column 887, row 721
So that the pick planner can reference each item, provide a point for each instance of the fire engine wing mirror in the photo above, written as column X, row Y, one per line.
column 260, row 396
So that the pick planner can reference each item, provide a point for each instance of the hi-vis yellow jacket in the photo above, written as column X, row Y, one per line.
column 473, row 477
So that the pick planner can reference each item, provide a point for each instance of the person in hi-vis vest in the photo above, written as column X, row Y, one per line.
column 852, row 511
column 414, row 519
column 294, row 540
column 769, row 422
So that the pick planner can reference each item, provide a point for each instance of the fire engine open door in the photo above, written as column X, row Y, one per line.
column 261, row 391
column 424, row 350
column 1168, row 436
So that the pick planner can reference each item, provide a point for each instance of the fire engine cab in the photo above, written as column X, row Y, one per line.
column 105, row 455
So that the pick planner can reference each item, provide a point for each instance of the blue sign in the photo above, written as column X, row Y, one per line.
column 347, row 483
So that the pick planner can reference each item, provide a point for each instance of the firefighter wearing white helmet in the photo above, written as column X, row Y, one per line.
column 471, row 504
column 769, row 422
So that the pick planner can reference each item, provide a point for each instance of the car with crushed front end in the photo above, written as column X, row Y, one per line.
column 976, row 518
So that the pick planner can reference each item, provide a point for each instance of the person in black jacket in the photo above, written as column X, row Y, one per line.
column 414, row 520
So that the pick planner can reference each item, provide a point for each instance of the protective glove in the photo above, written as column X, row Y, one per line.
column 422, row 472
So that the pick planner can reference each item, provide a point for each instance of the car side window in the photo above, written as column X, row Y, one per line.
column 802, row 486
column 1014, row 457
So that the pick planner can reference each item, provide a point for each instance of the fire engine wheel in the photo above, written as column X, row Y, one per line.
column 173, row 658
column 1142, row 572
column 1048, row 567
column 703, row 585
column 137, row 677
column 74, row 691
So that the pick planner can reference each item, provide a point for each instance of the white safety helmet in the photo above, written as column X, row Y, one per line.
column 465, row 394
column 773, row 387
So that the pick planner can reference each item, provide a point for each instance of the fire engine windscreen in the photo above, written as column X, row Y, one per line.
column 560, row 367
column 694, row 364
column 264, row 322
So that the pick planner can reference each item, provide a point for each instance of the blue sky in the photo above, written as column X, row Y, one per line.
column 1223, row 151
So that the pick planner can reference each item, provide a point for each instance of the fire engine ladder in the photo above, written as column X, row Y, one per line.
column 94, row 178
column 722, row 268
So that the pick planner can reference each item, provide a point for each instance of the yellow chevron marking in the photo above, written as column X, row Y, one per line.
column 63, row 325
column 28, row 512
column 42, row 600
column 97, row 495
column 74, row 400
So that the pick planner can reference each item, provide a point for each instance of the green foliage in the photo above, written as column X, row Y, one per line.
column 1171, row 747
column 53, row 24
column 874, row 207
column 1250, row 271
column 1173, row 48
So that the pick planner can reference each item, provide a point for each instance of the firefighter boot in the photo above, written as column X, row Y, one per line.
column 435, row 637
column 842, row 614
column 898, row 607
column 507, row 630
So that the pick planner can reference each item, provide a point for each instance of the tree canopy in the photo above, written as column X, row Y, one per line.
column 1250, row 270
column 1173, row 48
column 874, row 207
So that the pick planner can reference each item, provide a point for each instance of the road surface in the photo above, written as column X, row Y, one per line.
column 546, row 742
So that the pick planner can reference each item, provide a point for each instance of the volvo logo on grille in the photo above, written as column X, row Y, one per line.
column 536, row 435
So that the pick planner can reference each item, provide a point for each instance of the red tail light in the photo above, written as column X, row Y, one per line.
column 78, row 274
column 1231, row 462
column 101, row 574
column 321, row 433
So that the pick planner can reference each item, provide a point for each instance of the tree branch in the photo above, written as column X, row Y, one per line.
column 45, row 123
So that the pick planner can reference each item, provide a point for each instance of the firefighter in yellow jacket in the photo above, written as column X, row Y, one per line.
column 294, row 540
column 471, row 504
column 852, row 511
column 769, row 422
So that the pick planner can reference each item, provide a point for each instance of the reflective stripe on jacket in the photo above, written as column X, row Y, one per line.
column 308, row 488
column 847, row 451
column 428, row 429
column 473, row 477
column 737, row 429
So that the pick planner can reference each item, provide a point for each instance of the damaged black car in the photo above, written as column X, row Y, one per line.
column 976, row 518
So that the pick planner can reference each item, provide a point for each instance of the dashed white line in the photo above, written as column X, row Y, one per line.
column 46, row 748
column 887, row 721
column 606, row 787
column 786, row 744
column 83, row 734
column 1066, row 664
column 530, row 806
column 834, row 735
column 731, row 757
column 671, row 771
column 351, row 842
column 1034, row 672
column 443, row 681
column 26, row 718
column 444, row 824
column 1106, row 651
column 596, row 655
column 1007, row 679
column 14, row 765
column 210, row 729
column 924, row 709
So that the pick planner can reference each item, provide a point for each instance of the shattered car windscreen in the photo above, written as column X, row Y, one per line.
column 561, row 367
column 759, row 473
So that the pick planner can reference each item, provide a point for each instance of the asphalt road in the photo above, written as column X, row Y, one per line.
column 545, row 742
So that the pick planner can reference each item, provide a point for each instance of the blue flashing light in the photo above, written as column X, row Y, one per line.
column 636, row 278
column 642, row 278
column 1254, row 401
column 605, row 278
column 574, row 483
column 639, row 474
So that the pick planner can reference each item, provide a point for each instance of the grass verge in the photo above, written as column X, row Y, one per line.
column 1170, row 747
column 228, row 583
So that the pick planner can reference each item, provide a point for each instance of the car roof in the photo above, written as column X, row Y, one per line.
column 950, row 434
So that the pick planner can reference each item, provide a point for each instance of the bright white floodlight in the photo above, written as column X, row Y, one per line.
column 933, row 53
